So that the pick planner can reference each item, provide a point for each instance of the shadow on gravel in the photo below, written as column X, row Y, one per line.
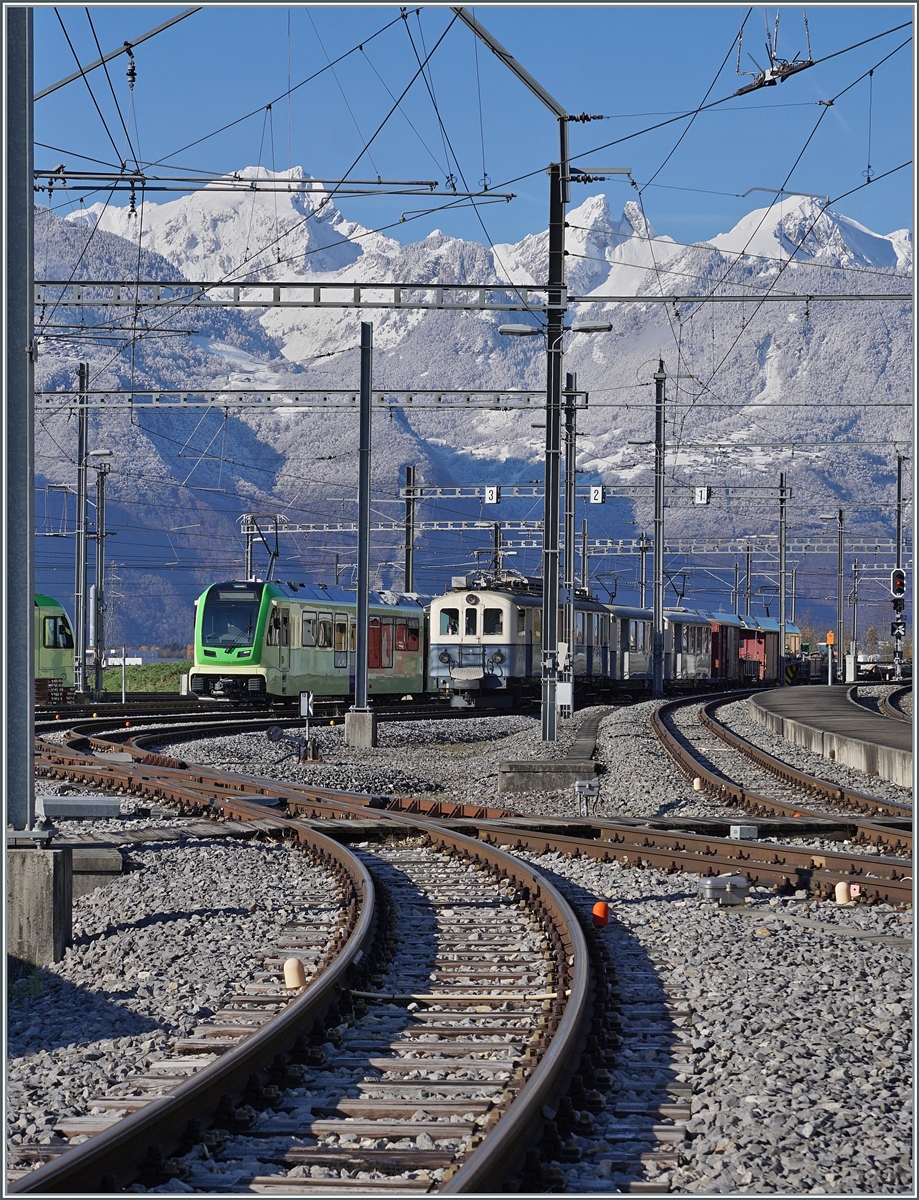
column 643, row 1067
column 47, row 1012
column 161, row 918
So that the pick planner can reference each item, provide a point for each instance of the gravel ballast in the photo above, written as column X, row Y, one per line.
column 153, row 955
column 798, row 1049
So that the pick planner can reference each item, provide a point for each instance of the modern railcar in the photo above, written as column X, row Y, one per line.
column 54, row 649
column 270, row 639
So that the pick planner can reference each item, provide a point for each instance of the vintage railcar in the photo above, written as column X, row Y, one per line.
column 270, row 639
column 486, row 640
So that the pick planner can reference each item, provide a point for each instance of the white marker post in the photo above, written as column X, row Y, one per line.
column 306, row 711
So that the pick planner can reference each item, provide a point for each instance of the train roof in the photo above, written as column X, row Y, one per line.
column 42, row 601
column 320, row 593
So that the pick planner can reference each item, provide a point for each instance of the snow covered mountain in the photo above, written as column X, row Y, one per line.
column 755, row 388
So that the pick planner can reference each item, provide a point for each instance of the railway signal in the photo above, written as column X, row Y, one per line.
column 897, row 582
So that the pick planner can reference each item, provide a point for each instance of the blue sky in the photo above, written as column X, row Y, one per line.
column 634, row 64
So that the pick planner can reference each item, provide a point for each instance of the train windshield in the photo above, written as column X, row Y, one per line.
column 231, row 614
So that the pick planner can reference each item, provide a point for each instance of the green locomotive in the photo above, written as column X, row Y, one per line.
column 53, row 652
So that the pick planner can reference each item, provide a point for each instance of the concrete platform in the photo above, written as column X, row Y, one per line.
column 823, row 720
column 555, row 774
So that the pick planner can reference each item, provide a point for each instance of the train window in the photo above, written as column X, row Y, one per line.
column 537, row 624
column 308, row 629
column 279, row 628
column 492, row 621
column 401, row 635
column 353, row 640
column 413, row 633
column 449, row 621
column 386, row 632
column 57, row 635
column 579, row 628
column 471, row 622
column 521, row 621
column 324, row 638
column 341, row 632
column 374, row 643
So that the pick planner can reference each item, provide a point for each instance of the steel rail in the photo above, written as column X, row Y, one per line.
column 500, row 1156
column 831, row 792
column 818, row 871
column 113, row 1159
column 889, row 704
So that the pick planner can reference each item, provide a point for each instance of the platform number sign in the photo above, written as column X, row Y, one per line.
column 703, row 495
column 597, row 494
column 492, row 495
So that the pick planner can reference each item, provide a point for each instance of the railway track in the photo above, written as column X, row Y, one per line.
column 889, row 705
column 505, row 969
column 881, row 824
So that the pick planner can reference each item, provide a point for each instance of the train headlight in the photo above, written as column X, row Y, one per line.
column 443, row 657
column 497, row 657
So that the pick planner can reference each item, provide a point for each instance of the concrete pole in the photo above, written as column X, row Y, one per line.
column 840, row 598
column 80, row 581
column 18, row 715
column 99, row 643
column 657, row 627
column 555, row 315
column 782, row 514
column 409, row 570
column 360, row 722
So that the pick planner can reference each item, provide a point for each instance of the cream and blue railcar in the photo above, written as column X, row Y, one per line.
column 258, row 640
column 486, row 641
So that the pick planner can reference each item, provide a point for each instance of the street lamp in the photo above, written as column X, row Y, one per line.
column 839, row 518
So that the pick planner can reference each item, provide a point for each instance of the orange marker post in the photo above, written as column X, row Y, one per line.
column 601, row 914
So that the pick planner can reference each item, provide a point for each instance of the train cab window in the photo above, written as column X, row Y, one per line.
column 521, row 621
column 386, row 639
column 324, row 634
column 414, row 632
column 57, row 635
column 449, row 621
column 492, row 621
column 472, row 621
column 537, row 624
column 308, row 630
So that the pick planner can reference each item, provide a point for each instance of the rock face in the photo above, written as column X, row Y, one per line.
column 755, row 388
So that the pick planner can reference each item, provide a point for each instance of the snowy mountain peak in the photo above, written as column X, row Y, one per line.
column 805, row 229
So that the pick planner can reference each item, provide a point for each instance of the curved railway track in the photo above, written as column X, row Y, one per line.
column 885, row 826
column 533, row 1010
column 889, row 705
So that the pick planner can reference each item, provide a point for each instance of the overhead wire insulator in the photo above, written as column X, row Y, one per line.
column 132, row 69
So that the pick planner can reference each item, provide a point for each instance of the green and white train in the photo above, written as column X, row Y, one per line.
column 258, row 640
